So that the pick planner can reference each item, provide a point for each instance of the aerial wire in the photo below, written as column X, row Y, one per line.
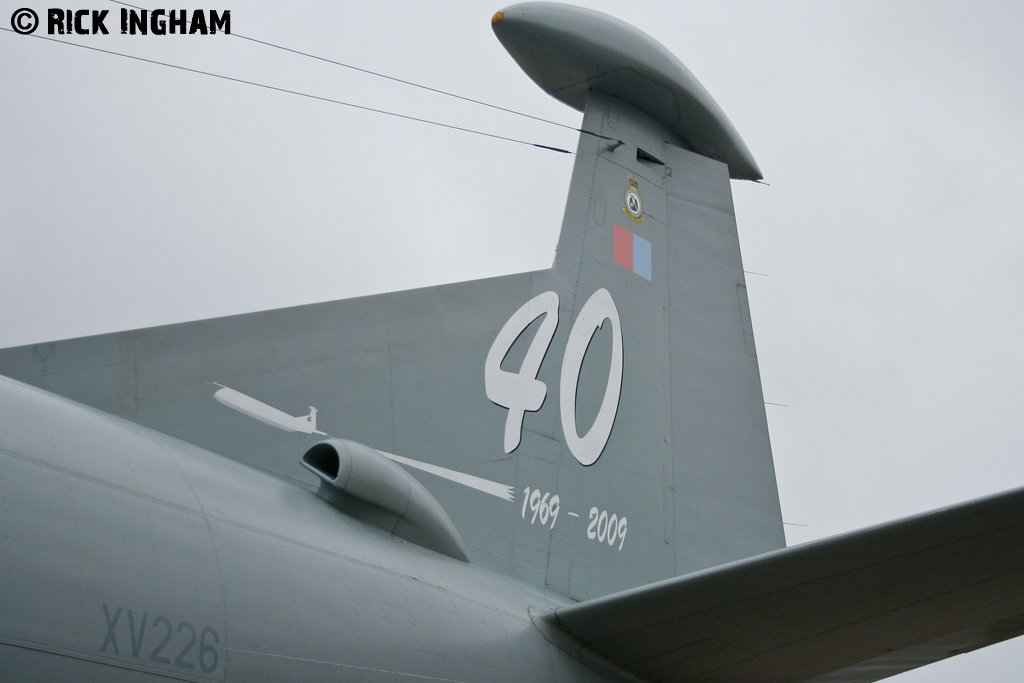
column 405, row 82
column 302, row 94
column 380, row 75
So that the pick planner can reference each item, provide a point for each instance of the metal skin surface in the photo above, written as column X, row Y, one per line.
column 603, row 491
column 860, row 606
column 571, row 51
column 366, row 485
column 681, row 453
column 591, row 437
column 136, row 535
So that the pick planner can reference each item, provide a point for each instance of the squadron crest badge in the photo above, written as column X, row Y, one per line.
column 634, row 205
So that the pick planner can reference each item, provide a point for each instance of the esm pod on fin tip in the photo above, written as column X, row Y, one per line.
column 559, row 475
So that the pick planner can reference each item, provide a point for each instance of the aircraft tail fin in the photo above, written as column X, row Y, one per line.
column 648, row 274
column 587, row 428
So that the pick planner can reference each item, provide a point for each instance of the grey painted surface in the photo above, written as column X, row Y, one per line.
column 857, row 607
column 725, row 479
column 114, row 536
column 404, row 373
column 364, row 484
column 571, row 51
column 97, row 509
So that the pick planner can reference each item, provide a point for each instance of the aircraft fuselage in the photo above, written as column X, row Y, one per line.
column 138, row 556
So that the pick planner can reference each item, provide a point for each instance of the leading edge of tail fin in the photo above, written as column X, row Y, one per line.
column 587, row 428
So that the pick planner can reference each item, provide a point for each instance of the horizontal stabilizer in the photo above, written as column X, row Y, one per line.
column 856, row 607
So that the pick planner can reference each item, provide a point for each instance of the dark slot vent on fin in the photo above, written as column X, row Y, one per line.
column 642, row 155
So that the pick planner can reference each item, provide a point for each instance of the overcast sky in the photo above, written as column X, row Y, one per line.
column 891, row 320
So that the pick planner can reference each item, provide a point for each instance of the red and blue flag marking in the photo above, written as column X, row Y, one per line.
column 633, row 252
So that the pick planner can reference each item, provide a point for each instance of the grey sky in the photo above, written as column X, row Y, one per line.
column 891, row 321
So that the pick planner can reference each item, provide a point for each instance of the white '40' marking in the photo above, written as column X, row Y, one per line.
column 522, row 391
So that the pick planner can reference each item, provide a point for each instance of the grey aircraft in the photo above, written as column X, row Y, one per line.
column 562, row 475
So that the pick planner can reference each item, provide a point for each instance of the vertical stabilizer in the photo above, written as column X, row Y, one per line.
column 652, row 222
column 688, row 463
column 587, row 428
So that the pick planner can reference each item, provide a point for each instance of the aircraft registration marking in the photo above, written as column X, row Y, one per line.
column 194, row 648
